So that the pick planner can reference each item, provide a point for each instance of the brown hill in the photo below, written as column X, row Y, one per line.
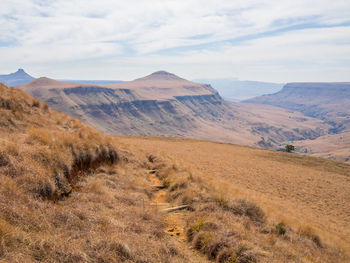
column 71, row 194
column 163, row 104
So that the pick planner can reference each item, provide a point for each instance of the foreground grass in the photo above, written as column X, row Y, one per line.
column 237, row 230
column 66, row 195
column 71, row 194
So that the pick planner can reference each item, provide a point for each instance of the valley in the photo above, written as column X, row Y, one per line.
column 163, row 104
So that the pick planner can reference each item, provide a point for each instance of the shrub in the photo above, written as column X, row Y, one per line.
column 280, row 229
column 289, row 148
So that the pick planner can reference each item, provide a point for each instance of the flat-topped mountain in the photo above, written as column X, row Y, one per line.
column 164, row 85
column 16, row 78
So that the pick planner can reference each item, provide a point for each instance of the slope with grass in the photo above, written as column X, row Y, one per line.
column 310, row 195
column 71, row 194
column 62, row 197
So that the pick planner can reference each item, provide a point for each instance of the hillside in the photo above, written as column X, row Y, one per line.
column 16, row 78
column 71, row 194
column 303, row 192
column 163, row 104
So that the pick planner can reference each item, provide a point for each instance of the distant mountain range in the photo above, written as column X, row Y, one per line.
column 21, row 77
column 17, row 78
column 163, row 104
column 234, row 89
column 313, row 116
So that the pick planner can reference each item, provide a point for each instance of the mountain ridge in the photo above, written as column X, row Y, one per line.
column 163, row 104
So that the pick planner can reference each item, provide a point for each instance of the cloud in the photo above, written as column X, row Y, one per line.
column 226, row 32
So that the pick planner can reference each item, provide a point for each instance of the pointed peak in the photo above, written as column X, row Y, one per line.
column 20, row 70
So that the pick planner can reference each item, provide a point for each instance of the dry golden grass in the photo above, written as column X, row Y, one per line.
column 236, row 230
column 303, row 192
column 71, row 194
column 62, row 199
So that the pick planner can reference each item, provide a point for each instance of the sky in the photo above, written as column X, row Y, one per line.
column 266, row 40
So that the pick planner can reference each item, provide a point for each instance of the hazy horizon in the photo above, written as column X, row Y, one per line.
column 285, row 41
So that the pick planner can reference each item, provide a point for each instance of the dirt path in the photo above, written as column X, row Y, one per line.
column 175, row 223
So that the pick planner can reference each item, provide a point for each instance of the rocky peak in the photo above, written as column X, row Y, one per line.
column 16, row 78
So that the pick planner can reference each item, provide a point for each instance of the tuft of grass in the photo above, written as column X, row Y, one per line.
column 309, row 232
column 243, row 207
column 280, row 229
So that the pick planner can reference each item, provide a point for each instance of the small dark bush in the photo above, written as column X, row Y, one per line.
column 289, row 148
column 280, row 229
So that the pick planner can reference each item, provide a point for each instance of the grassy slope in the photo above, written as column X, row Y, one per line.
column 62, row 200
column 299, row 190
column 71, row 194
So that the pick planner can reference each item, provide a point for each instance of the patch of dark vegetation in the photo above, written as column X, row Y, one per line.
column 244, row 207
column 280, row 229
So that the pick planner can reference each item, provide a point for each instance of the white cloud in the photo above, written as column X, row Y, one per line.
column 126, row 36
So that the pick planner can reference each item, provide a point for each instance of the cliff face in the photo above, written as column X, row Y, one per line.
column 142, row 107
column 123, row 112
